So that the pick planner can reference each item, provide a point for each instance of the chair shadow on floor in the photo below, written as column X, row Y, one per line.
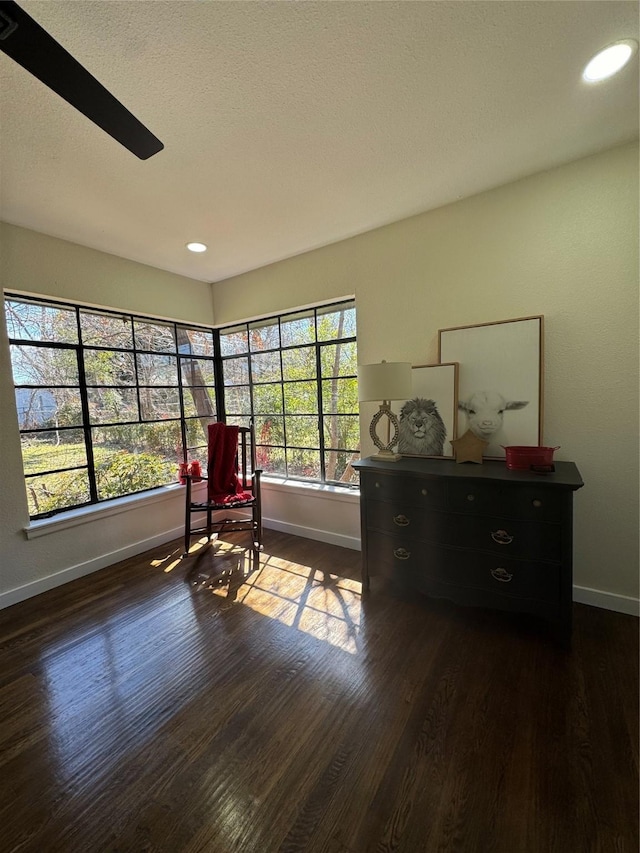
column 222, row 565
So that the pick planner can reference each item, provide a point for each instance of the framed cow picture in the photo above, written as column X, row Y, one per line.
column 501, row 380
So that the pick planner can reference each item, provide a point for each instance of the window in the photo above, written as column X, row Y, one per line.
column 108, row 403
column 295, row 375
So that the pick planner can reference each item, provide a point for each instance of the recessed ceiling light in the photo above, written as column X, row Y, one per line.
column 609, row 60
column 196, row 247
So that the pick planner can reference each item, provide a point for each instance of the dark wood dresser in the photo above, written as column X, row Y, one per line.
column 479, row 535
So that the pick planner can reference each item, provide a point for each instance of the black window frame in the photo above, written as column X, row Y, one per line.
column 85, row 388
column 319, row 345
column 217, row 361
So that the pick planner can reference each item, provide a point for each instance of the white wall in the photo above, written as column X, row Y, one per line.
column 563, row 243
column 39, row 264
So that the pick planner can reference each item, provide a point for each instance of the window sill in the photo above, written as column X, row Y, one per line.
column 312, row 490
column 87, row 514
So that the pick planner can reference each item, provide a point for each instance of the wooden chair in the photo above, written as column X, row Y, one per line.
column 233, row 485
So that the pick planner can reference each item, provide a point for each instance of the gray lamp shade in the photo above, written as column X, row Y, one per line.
column 388, row 380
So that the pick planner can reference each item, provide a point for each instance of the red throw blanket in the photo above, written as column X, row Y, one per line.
column 224, row 486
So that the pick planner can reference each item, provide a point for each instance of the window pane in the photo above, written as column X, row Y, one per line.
column 106, row 330
column 265, row 367
column 197, row 431
column 237, row 401
column 239, row 420
column 299, row 363
column 302, row 431
column 264, row 334
column 340, row 395
column 34, row 321
column 157, row 369
column 298, row 329
column 54, row 492
column 267, row 399
column 197, row 371
column 44, row 407
column 194, row 341
column 159, row 403
column 198, row 452
column 303, row 463
column 269, row 430
column 234, row 341
column 112, row 405
column 107, row 367
column 336, row 323
column 43, row 365
column 271, row 460
column 50, row 451
column 300, row 398
column 342, row 431
column 338, row 466
column 199, row 401
column 236, row 371
column 339, row 359
column 154, row 336
column 135, row 457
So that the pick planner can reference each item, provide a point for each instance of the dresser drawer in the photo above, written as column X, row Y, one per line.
column 510, row 501
column 507, row 537
column 407, row 521
column 421, row 569
column 417, row 491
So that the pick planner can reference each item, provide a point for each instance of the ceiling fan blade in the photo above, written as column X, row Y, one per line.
column 28, row 44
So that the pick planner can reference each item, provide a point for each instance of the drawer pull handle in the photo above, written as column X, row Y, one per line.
column 537, row 503
column 377, row 485
column 424, row 491
column 401, row 554
column 501, row 575
column 401, row 520
column 502, row 537
column 471, row 497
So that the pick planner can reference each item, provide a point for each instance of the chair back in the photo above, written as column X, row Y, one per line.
column 230, row 460
column 247, row 455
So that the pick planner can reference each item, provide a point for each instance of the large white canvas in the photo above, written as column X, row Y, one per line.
column 501, row 377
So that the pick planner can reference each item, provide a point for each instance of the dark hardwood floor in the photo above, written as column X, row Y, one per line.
column 151, row 707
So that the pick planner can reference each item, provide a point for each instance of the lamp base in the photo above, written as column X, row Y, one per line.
column 385, row 451
column 386, row 456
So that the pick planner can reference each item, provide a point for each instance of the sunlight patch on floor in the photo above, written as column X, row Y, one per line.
column 325, row 606
column 161, row 563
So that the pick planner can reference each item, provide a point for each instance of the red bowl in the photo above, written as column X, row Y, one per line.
column 522, row 458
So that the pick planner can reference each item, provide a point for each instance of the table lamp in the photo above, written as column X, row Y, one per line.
column 385, row 381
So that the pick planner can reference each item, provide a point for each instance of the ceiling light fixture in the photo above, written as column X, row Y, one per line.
column 609, row 60
column 196, row 247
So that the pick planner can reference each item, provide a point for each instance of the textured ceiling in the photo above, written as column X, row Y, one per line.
column 288, row 126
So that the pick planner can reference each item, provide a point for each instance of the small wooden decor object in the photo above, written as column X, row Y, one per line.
column 469, row 448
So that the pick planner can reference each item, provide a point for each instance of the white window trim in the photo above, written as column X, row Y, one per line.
column 311, row 490
column 94, row 512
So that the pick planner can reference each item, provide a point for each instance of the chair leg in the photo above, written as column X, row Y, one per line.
column 257, row 513
column 187, row 519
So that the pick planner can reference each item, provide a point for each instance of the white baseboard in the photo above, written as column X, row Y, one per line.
column 581, row 595
column 607, row 600
column 28, row 590
column 352, row 542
